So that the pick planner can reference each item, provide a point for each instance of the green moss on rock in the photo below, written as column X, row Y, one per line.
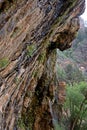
column 28, row 118
column 31, row 49
column 42, row 57
column 21, row 124
column 4, row 62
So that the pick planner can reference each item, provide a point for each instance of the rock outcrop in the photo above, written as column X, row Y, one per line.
column 30, row 32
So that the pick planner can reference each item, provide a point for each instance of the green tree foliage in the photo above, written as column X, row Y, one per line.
column 73, row 74
column 70, row 74
column 76, row 106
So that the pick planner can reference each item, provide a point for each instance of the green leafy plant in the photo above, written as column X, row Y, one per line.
column 76, row 106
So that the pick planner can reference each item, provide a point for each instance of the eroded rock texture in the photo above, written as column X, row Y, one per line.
column 30, row 32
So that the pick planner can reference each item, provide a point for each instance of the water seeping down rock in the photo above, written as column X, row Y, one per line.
column 30, row 33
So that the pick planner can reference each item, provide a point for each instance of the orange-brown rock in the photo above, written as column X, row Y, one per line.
column 61, row 92
column 30, row 32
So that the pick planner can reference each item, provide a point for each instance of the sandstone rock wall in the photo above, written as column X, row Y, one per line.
column 30, row 32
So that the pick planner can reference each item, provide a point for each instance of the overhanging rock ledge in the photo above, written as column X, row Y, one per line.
column 30, row 32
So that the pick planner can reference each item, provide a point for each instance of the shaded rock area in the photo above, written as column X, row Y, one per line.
column 30, row 32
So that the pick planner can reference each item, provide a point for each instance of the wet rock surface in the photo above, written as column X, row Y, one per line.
column 30, row 32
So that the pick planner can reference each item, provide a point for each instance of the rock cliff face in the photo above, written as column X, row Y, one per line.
column 30, row 32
